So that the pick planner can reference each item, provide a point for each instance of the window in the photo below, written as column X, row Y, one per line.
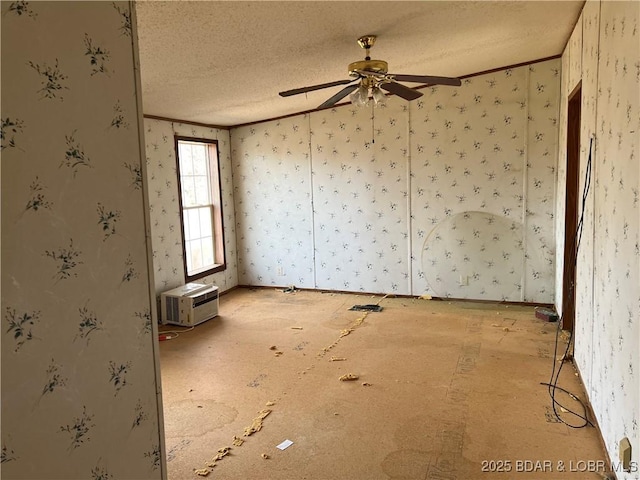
column 200, row 207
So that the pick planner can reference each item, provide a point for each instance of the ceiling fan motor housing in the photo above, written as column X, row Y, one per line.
column 377, row 66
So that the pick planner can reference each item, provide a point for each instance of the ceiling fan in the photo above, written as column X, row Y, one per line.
column 369, row 77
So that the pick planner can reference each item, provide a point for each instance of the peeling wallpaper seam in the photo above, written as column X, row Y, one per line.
column 313, row 210
column 525, row 184
column 409, row 200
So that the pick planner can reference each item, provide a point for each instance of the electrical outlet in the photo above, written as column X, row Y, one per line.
column 464, row 281
column 625, row 454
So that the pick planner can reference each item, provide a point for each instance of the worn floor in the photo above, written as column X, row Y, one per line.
column 446, row 390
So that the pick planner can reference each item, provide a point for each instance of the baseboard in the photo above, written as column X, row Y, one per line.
column 398, row 295
column 593, row 419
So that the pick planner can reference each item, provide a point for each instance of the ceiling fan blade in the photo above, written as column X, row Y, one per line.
column 339, row 96
column 427, row 79
column 400, row 90
column 296, row 91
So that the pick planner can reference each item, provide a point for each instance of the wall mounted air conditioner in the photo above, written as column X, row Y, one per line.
column 189, row 304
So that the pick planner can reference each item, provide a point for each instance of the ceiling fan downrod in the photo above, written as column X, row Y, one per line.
column 367, row 65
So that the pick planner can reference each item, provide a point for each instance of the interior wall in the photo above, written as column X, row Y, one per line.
column 80, row 393
column 273, row 201
column 608, row 270
column 360, row 168
column 410, row 198
column 483, row 180
column 166, row 236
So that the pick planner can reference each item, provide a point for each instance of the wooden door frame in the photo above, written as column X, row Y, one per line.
column 574, row 106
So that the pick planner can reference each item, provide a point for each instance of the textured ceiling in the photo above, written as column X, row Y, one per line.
column 223, row 63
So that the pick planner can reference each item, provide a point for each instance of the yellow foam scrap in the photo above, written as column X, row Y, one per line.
column 237, row 441
column 343, row 333
column 264, row 413
column 211, row 464
column 265, row 456
column 270, row 403
column 256, row 425
column 348, row 377
column 426, row 296
column 337, row 359
column 203, row 472
column 222, row 452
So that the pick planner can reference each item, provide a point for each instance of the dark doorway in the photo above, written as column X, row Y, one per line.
column 571, row 212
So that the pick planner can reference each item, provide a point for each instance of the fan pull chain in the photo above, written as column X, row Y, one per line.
column 373, row 128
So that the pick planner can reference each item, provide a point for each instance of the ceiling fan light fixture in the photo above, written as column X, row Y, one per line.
column 379, row 98
column 360, row 97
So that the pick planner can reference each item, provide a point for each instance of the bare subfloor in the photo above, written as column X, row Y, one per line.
column 446, row 390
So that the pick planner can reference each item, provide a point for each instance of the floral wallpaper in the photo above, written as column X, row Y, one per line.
column 272, row 194
column 485, row 154
column 166, row 236
column 451, row 195
column 608, row 273
column 360, row 164
column 585, row 268
column 79, row 385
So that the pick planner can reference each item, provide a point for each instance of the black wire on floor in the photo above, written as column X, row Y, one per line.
column 555, row 375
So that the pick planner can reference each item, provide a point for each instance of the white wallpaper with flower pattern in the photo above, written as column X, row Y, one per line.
column 79, row 385
column 410, row 198
column 485, row 155
column 166, row 238
column 272, row 194
column 607, row 331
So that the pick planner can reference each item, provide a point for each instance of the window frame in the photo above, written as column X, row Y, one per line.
column 217, row 221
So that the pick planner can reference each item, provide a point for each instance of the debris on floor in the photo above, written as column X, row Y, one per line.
column 270, row 403
column 256, row 425
column 222, row 452
column 265, row 456
column 546, row 314
column 237, row 441
column 337, row 359
column 366, row 384
column 291, row 289
column 298, row 328
column 426, row 296
column 278, row 353
column 273, row 347
column 343, row 333
column 366, row 308
column 347, row 377
column 285, row 444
